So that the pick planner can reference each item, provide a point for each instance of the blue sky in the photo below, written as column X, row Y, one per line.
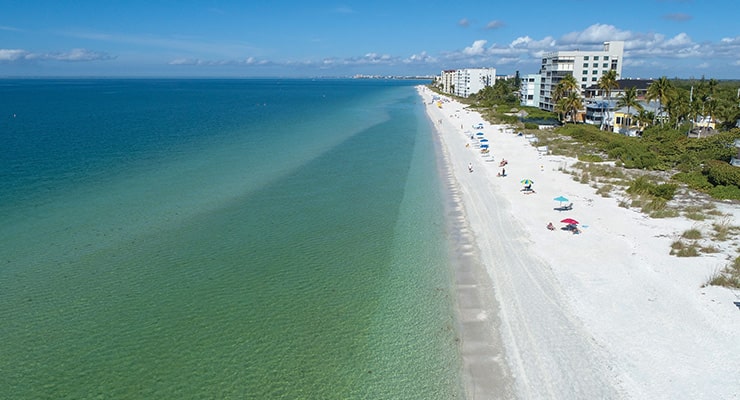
column 304, row 38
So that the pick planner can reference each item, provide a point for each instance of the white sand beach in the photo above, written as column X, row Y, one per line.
column 604, row 314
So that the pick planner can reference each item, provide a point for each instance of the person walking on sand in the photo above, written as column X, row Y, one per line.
column 470, row 167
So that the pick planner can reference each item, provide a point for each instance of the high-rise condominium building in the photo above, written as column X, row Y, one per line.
column 585, row 66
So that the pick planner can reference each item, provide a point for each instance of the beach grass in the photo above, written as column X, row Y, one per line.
column 724, row 230
column 681, row 249
column 727, row 277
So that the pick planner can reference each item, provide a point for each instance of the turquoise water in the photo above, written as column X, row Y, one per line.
column 222, row 239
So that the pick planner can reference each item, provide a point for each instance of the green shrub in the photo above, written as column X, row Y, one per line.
column 664, row 190
column 725, row 192
column 720, row 173
column 640, row 186
column 643, row 187
column 590, row 158
column 655, row 204
column 695, row 180
column 531, row 125
column 695, row 216
column 665, row 213
column 681, row 249
column 690, row 251
column 692, row 234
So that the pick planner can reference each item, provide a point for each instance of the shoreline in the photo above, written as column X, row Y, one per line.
column 548, row 314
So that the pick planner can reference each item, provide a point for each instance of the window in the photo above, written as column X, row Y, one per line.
column 585, row 72
column 596, row 65
column 585, row 65
column 606, row 58
column 596, row 58
column 583, row 86
column 585, row 57
column 603, row 72
column 584, row 79
column 594, row 79
column 595, row 72
column 605, row 65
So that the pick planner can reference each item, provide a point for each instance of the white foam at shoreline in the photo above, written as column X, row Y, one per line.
column 604, row 314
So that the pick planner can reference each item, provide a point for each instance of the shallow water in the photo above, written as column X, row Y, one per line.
column 212, row 239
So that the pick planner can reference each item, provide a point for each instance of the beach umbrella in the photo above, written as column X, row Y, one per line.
column 569, row 221
column 484, row 146
column 479, row 134
column 561, row 199
column 527, row 182
column 483, row 140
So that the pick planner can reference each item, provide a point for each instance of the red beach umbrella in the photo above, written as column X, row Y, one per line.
column 569, row 221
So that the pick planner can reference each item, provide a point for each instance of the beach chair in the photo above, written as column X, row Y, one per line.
column 564, row 208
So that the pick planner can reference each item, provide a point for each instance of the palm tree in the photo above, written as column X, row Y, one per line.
column 560, row 109
column 607, row 82
column 644, row 118
column 629, row 100
column 565, row 91
column 678, row 107
column 660, row 90
column 566, row 85
column 570, row 104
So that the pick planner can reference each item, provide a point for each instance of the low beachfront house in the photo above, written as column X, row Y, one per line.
column 624, row 120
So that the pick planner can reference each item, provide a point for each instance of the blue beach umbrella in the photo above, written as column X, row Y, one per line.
column 484, row 146
column 483, row 140
column 479, row 134
column 561, row 199
column 527, row 181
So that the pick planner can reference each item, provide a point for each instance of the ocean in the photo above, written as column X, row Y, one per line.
column 205, row 238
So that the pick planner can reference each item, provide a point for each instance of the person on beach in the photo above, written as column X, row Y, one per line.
column 550, row 226
column 470, row 167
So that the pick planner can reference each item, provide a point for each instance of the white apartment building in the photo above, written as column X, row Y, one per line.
column 529, row 91
column 468, row 81
column 448, row 80
column 586, row 66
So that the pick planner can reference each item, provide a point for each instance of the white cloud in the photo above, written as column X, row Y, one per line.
column 595, row 34
column 201, row 62
column 80, row 55
column 476, row 49
column 423, row 57
column 679, row 40
column 527, row 42
column 12, row 54
column 74, row 55
column 495, row 24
